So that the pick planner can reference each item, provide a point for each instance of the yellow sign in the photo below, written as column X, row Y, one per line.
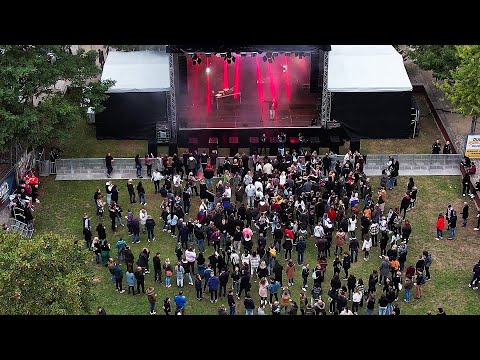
column 473, row 147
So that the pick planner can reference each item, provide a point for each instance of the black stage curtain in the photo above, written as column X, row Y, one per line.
column 377, row 115
column 131, row 115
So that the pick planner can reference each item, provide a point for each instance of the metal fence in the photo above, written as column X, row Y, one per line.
column 406, row 161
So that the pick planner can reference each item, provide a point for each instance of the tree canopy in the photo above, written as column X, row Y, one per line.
column 32, row 109
column 46, row 275
column 463, row 87
column 441, row 59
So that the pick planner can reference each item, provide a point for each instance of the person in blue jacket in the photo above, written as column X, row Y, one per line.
column 130, row 281
column 118, row 273
column 180, row 301
column 213, row 287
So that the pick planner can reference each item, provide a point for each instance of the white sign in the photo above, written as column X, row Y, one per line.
column 473, row 147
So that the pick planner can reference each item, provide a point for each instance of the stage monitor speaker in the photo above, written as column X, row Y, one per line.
column 152, row 148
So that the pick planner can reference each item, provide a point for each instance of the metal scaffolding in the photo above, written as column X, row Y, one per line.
column 172, row 114
column 326, row 95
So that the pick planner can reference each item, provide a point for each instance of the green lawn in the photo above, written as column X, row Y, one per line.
column 64, row 202
column 83, row 143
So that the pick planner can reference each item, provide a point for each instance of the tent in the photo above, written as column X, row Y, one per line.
column 371, row 91
column 138, row 100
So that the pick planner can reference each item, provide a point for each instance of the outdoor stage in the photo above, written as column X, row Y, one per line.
column 237, row 97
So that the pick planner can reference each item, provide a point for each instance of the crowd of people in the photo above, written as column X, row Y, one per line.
column 251, row 221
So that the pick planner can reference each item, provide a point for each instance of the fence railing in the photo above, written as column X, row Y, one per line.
column 406, row 161
column 374, row 162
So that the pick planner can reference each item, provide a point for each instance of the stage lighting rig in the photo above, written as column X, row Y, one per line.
column 268, row 57
column 228, row 57
column 196, row 59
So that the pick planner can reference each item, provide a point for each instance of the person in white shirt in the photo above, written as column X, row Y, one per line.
column 258, row 186
column 367, row 244
column 228, row 191
column 235, row 259
column 283, row 178
column 191, row 256
column 261, row 310
column 254, row 263
column 352, row 225
column 356, row 298
column 346, row 311
column 268, row 168
column 246, row 258
column 248, row 178
column 143, row 219
column 250, row 191
column 318, row 231
column 156, row 177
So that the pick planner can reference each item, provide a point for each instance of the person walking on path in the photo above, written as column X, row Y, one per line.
column 152, row 299
column 440, row 226
column 465, row 214
column 108, row 163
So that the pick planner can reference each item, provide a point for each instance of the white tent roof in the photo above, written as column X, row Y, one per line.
column 137, row 71
column 366, row 68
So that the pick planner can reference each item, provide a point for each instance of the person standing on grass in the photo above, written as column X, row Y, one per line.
column 366, row 246
column 141, row 194
column 180, row 302
column 156, row 177
column 290, row 271
column 179, row 272
column 131, row 191
column 198, row 286
column 408, row 287
column 347, row 262
column 273, row 289
column 476, row 277
column 223, row 281
column 167, row 266
column 249, row 304
column 231, row 302
column 419, row 281
column 339, row 241
column 118, row 274
column 150, row 226
column 213, row 283
column 140, row 277
column 108, row 163
column 440, row 226
column 428, row 262
column 167, row 309
column 130, row 281
column 465, row 214
column 152, row 299
column 157, row 268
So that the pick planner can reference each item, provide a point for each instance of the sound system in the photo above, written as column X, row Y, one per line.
column 355, row 144
column 335, row 144
column 172, row 149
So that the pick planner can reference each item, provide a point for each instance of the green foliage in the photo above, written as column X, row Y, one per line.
column 441, row 59
column 32, row 108
column 463, row 89
column 46, row 275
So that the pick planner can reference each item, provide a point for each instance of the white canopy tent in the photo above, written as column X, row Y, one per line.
column 137, row 71
column 366, row 68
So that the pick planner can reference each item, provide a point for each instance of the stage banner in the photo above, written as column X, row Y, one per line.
column 7, row 186
column 473, row 147
column 24, row 165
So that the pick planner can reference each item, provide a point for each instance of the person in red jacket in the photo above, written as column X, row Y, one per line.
column 440, row 226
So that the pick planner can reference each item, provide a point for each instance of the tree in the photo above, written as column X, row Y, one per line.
column 441, row 59
column 46, row 275
column 463, row 89
column 32, row 109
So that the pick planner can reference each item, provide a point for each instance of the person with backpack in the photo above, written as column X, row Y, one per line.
column 428, row 262
column 121, row 245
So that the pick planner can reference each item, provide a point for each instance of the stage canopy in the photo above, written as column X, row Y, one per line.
column 366, row 68
column 137, row 71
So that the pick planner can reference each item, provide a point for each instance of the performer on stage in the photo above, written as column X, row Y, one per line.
column 273, row 107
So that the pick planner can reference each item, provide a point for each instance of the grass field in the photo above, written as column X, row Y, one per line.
column 64, row 202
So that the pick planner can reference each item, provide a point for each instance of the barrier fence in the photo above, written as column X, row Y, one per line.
column 125, row 167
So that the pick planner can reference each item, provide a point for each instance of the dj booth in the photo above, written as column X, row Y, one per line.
column 227, row 95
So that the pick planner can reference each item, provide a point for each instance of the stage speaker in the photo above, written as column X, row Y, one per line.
column 233, row 143
column 315, row 144
column 315, row 86
column 254, row 140
column 335, row 144
column 355, row 144
column 152, row 148
column 172, row 149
